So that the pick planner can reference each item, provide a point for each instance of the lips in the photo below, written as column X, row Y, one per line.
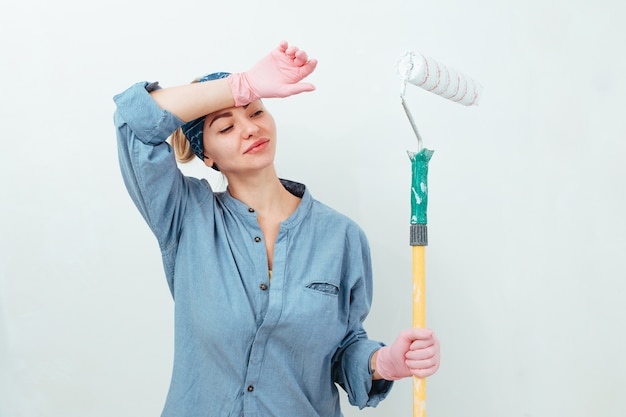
column 257, row 146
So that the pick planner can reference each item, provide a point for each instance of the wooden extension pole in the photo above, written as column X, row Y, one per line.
column 419, row 241
column 419, row 320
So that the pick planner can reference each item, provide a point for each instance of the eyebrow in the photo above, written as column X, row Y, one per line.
column 225, row 114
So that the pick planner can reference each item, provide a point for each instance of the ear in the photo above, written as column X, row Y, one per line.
column 208, row 161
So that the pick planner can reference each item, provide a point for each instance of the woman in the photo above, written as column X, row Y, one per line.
column 271, row 287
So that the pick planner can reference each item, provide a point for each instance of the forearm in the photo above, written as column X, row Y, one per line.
column 375, row 374
column 190, row 101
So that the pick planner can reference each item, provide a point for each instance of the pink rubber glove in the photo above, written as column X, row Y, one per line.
column 415, row 352
column 277, row 75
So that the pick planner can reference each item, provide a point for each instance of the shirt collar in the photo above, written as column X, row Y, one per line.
column 295, row 188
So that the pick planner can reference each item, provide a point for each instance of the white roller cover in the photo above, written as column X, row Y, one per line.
column 432, row 76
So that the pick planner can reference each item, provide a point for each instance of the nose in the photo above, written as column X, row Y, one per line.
column 249, row 129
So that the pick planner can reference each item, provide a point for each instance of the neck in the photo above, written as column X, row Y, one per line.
column 263, row 192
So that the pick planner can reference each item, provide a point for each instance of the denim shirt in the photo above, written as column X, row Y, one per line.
column 245, row 346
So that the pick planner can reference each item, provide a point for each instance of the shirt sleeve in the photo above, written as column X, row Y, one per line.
column 156, row 185
column 351, row 362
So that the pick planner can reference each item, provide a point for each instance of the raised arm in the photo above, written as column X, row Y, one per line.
column 190, row 101
column 279, row 74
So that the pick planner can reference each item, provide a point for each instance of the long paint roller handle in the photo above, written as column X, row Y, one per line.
column 435, row 77
column 447, row 83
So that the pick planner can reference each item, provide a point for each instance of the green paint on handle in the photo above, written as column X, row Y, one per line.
column 419, row 185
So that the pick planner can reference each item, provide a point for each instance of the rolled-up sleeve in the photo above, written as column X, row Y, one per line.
column 136, row 108
column 351, row 363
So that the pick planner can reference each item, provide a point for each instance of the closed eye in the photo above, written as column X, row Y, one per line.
column 226, row 129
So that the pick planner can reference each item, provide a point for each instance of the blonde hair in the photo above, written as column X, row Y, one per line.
column 182, row 147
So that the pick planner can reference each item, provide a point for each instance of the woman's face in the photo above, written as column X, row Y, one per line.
column 240, row 139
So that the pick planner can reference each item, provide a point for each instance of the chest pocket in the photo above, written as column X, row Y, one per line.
column 324, row 288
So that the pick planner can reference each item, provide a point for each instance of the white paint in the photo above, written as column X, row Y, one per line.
column 417, row 294
column 416, row 197
column 524, row 279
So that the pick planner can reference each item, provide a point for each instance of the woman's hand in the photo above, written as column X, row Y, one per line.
column 415, row 352
column 277, row 75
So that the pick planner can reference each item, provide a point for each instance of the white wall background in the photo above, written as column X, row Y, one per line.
column 525, row 269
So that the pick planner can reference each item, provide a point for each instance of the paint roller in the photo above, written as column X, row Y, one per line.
column 445, row 82
column 437, row 78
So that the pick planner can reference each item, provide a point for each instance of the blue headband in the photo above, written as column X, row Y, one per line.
column 193, row 129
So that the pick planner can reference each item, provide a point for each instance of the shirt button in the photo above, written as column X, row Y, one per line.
column 257, row 239
column 250, row 388
column 263, row 287
column 251, row 210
